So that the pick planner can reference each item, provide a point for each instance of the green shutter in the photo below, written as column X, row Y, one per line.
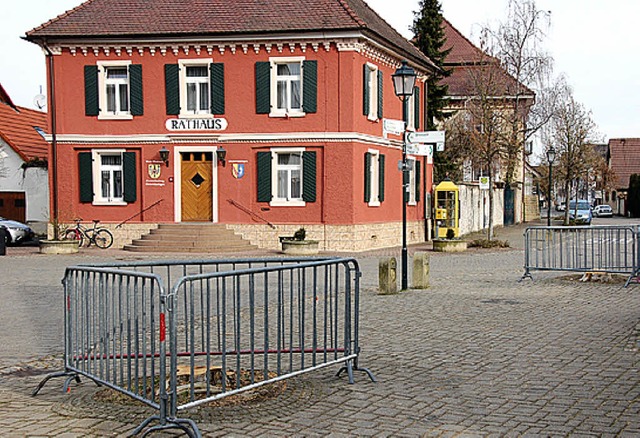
column 380, row 96
column 91, row 107
column 416, row 107
column 381, row 178
column 135, row 91
column 85, row 172
column 263, row 88
column 417, row 163
column 217, row 88
column 367, row 177
column 172, row 88
column 129, row 176
column 309, row 86
column 309, row 176
column 365, row 90
column 264, row 176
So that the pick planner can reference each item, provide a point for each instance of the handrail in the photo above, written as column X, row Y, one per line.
column 252, row 213
column 139, row 213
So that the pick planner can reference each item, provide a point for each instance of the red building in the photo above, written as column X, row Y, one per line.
column 143, row 101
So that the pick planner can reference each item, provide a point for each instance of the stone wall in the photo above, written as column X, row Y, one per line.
column 121, row 236
column 474, row 208
column 531, row 208
column 336, row 238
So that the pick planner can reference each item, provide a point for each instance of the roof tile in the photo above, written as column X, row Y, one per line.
column 625, row 159
column 17, row 129
column 144, row 18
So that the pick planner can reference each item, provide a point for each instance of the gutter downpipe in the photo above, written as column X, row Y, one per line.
column 54, row 142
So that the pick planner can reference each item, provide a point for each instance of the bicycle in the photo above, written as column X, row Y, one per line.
column 101, row 237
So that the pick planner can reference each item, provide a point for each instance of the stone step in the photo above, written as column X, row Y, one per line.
column 190, row 237
column 191, row 243
column 174, row 249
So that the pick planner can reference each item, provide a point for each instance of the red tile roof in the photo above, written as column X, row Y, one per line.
column 175, row 18
column 17, row 129
column 4, row 97
column 625, row 159
column 468, row 61
column 463, row 51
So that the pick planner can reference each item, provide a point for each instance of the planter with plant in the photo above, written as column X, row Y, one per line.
column 450, row 243
column 298, row 244
column 55, row 242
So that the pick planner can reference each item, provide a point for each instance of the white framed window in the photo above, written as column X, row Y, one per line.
column 286, row 86
column 372, row 183
column 195, row 87
column 371, row 87
column 287, row 177
column 114, row 90
column 108, row 176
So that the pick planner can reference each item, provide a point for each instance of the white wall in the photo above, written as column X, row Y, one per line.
column 474, row 208
column 34, row 182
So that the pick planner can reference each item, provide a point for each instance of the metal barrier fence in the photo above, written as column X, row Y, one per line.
column 611, row 249
column 230, row 325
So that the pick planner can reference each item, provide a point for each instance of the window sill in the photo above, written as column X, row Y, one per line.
column 283, row 203
column 109, row 203
column 115, row 117
column 374, row 203
column 287, row 115
column 195, row 116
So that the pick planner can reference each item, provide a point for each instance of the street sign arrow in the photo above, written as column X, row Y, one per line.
column 426, row 137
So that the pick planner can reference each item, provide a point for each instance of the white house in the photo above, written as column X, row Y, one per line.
column 24, row 181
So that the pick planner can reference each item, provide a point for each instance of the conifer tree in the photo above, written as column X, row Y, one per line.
column 429, row 38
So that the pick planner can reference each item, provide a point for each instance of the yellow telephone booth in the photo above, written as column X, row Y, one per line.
column 447, row 209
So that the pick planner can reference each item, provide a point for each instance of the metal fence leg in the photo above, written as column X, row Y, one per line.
column 70, row 375
column 349, row 368
column 526, row 274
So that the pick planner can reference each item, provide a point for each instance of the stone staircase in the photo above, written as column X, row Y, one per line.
column 188, row 237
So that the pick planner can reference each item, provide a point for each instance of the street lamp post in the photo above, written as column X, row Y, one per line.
column 404, row 80
column 551, row 155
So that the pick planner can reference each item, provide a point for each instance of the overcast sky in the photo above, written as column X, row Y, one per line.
column 593, row 42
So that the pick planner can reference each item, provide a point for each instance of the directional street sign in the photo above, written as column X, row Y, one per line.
column 392, row 126
column 426, row 137
column 420, row 149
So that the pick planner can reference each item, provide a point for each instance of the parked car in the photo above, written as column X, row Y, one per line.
column 580, row 212
column 6, row 233
column 17, row 232
column 603, row 211
column 560, row 207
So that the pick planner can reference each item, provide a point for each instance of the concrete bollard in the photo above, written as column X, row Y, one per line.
column 421, row 268
column 387, row 276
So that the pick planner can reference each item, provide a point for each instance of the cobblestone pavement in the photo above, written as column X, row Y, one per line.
column 477, row 354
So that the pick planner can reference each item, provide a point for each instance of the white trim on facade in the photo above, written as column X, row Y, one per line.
column 277, row 202
column 102, row 90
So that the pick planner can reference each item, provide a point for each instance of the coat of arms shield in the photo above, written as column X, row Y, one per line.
column 154, row 171
column 238, row 170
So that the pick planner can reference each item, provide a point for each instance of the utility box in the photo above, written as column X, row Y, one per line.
column 447, row 209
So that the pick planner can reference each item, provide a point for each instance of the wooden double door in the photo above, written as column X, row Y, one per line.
column 197, row 186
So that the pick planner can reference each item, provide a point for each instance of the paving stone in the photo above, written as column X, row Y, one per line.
column 479, row 354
